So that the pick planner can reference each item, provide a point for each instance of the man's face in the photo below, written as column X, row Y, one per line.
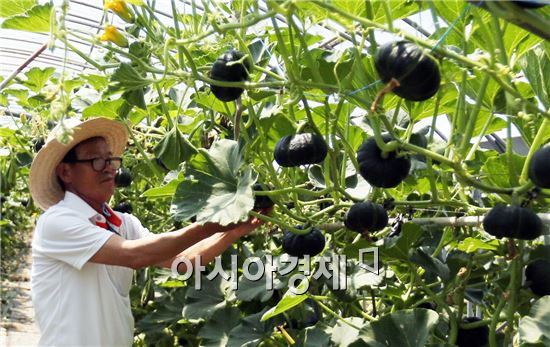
column 95, row 187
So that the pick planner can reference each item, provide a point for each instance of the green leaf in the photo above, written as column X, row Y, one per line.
column 288, row 301
column 215, row 333
column 209, row 101
column 398, row 247
column 502, row 173
column 535, row 328
column 164, row 191
column 174, row 148
column 217, row 188
column 202, row 303
column 471, row 245
column 97, row 82
column 6, row 132
column 107, row 109
column 406, row 328
column 251, row 331
column 10, row 8
column 343, row 334
column 249, row 290
column 536, row 67
column 135, row 97
column 128, row 78
column 37, row 19
column 37, row 78
column 430, row 263
column 495, row 124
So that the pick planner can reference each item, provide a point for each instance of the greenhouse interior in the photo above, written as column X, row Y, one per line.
column 275, row 173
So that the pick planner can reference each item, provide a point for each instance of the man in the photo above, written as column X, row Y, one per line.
column 84, row 253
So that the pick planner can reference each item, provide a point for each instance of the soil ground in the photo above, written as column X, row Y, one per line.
column 18, row 327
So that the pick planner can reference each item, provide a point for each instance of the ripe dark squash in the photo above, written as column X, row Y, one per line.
column 124, row 207
column 223, row 71
column 537, row 277
column 530, row 4
column 366, row 216
column 300, row 149
column 539, row 168
column 310, row 244
column 513, row 221
column 417, row 73
column 378, row 171
column 123, row 178
column 476, row 337
column 261, row 201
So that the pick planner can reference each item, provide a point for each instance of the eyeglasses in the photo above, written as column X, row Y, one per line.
column 98, row 164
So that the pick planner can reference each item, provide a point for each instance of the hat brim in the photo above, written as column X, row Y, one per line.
column 44, row 185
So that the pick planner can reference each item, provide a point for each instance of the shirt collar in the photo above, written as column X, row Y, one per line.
column 74, row 202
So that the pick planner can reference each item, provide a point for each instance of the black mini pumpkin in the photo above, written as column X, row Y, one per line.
column 420, row 140
column 381, row 172
column 123, row 178
column 531, row 4
column 537, row 277
column 366, row 216
column 417, row 73
column 300, row 149
column 310, row 244
column 476, row 337
column 539, row 168
column 261, row 201
column 223, row 71
column 124, row 207
column 513, row 221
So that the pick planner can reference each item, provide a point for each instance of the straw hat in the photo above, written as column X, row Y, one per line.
column 44, row 185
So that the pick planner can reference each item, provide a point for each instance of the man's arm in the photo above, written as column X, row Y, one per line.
column 212, row 246
column 160, row 247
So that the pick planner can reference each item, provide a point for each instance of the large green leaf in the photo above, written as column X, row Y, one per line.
column 215, row 333
column 174, row 148
column 37, row 78
column 503, row 172
column 407, row 328
column 107, row 109
column 10, row 8
column 251, row 331
column 203, row 302
column 399, row 247
column 343, row 334
column 37, row 19
column 536, row 67
column 217, row 188
column 128, row 78
column 535, row 328
column 431, row 264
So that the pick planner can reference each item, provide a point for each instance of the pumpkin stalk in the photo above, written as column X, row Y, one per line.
column 393, row 83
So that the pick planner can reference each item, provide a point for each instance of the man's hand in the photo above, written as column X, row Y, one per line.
column 244, row 228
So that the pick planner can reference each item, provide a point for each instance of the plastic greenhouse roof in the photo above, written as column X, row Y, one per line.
column 88, row 16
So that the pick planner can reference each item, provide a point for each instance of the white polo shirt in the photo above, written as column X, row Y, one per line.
column 76, row 302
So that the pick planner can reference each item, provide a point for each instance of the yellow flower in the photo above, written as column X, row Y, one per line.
column 121, row 9
column 112, row 34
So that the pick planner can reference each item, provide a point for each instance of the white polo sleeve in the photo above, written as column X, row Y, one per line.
column 69, row 237
column 134, row 229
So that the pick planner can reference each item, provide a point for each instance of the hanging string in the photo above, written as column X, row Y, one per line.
column 451, row 27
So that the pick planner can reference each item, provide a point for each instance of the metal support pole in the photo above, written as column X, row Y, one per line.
column 22, row 66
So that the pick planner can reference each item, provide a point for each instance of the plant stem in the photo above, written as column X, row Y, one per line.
column 334, row 314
